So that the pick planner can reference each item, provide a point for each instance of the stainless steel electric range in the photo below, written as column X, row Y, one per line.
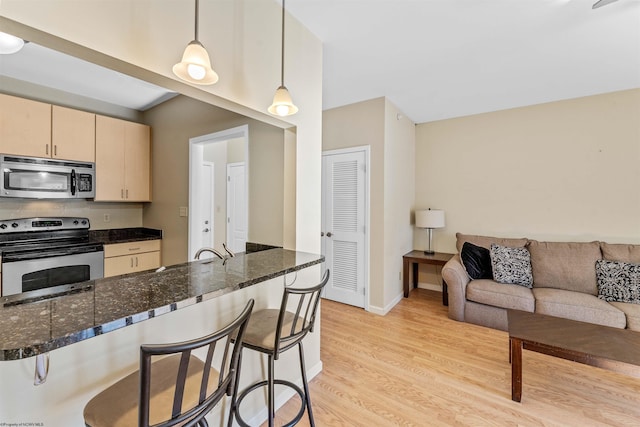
column 39, row 253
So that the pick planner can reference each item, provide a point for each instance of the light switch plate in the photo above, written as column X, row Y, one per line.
column 183, row 211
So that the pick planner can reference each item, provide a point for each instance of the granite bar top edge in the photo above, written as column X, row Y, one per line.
column 238, row 283
column 124, row 235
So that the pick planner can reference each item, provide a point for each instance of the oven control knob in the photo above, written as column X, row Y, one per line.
column 84, row 222
column 75, row 222
column 3, row 226
column 14, row 225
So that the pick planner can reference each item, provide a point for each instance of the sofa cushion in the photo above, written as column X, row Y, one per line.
column 511, row 265
column 476, row 261
column 633, row 314
column 620, row 252
column 577, row 306
column 497, row 294
column 565, row 265
column 618, row 281
column 486, row 241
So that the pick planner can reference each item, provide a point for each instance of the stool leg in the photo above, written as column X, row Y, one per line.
column 305, row 384
column 271, row 391
column 234, row 395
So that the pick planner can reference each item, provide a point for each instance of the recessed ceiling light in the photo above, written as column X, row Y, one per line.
column 10, row 44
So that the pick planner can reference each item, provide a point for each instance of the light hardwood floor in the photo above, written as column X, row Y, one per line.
column 417, row 367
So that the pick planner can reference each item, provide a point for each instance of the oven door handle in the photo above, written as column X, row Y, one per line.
column 73, row 182
column 50, row 253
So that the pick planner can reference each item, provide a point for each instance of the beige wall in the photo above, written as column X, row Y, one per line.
column 565, row 170
column 374, row 123
column 181, row 118
column 399, row 191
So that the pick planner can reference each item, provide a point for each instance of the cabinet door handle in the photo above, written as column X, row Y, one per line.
column 329, row 234
column 136, row 261
column 55, row 150
column 131, row 262
column 127, row 193
column 122, row 193
column 46, row 149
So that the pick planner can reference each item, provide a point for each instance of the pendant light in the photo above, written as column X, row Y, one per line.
column 282, row 103
column 195, row 66
column 10, row 44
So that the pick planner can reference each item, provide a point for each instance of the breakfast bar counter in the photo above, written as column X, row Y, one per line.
column 41, row 321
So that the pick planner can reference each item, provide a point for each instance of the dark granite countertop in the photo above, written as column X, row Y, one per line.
column 124, row 235
column 40, row 321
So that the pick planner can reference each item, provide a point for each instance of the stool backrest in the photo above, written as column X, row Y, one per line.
column 294, row 325
column 219, row 352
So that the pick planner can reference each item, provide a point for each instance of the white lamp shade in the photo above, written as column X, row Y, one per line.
column 431, row 218
column 195, row 66
column 10, row 44
column 282, row 103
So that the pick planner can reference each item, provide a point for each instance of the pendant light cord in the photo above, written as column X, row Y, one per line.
column 282, row 57
column 196, row 26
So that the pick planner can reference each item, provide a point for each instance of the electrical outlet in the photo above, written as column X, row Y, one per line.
column 183, row 211
column 107, row 217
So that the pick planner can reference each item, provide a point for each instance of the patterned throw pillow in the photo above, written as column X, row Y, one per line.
column 618, row 281
column 511, row 265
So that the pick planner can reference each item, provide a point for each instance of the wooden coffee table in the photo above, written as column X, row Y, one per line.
column 602, row 346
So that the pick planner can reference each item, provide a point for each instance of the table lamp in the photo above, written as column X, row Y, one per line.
column 430, row 219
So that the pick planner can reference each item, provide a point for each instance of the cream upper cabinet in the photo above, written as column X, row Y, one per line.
column 137, row 162
column 73, row 134
column 123, row 159
column 25, row 127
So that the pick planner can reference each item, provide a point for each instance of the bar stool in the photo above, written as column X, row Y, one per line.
column 179, row 389
column 272, row 332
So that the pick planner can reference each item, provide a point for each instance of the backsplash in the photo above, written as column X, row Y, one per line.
column 119, row 215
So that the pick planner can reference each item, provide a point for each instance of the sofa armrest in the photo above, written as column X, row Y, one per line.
column 456, row 276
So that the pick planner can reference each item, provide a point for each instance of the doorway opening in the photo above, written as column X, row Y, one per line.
column 210, row 186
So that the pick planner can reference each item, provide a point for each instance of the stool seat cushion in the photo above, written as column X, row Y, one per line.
column 117, row 406
column 261, row 330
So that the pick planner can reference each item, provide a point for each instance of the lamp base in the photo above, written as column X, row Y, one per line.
column 429, row 252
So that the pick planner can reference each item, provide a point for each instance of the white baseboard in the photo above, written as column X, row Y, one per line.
column 384, row 310
column 430, row 286
column 284, row 396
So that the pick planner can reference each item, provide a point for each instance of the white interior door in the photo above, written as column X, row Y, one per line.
column 344, row 220
column 206, row 216
column 236, row 207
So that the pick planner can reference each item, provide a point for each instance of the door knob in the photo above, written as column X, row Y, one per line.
column 329, row 234
column 206, row 230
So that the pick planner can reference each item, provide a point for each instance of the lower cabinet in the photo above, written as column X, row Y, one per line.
column 131, row 257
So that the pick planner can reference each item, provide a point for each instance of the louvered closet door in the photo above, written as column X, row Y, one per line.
column 343, row 209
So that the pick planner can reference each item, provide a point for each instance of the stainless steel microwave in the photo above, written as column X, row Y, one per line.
column 40, row 178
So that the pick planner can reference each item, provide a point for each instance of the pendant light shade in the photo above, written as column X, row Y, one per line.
column 10, row 44
column 282, row 103
column 195, row 66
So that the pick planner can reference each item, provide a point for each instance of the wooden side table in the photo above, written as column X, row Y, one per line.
column 414, row 258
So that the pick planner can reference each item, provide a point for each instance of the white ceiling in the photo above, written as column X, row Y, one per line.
column 73, row 75
column 438, row 59
column 434, row 59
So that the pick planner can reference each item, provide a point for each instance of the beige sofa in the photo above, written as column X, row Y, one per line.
column 564, row 284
